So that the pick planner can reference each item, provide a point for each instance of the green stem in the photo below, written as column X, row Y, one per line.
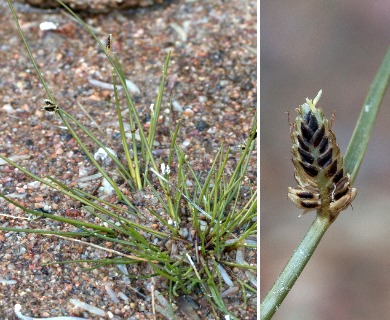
column 294, row 267
column 29, row 52
column 361, row 135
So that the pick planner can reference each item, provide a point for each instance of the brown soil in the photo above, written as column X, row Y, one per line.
column 212, row 81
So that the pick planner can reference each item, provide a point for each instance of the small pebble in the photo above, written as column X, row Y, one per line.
column 8, row 108
column 177, row 106
column 188, row 113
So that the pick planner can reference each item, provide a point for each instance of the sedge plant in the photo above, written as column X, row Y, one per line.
column 218, row 216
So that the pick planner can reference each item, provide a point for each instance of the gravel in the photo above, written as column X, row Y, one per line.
column 211, row 78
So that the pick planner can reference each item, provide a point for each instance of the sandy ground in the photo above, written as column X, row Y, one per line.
column 212, row 83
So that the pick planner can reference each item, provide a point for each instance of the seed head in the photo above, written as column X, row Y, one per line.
column 49, row 105
column 109, row 42
column 319, row 168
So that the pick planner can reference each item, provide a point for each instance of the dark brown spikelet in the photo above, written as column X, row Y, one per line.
column 319, row 168
column 109, row 42
column 49, row 105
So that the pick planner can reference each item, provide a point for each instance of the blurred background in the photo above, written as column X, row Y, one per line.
column 336, row 46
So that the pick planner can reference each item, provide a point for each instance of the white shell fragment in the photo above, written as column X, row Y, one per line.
column 131, row 86
column 185, row 144
column 111, row 293
column 5, row 281
column 19, row 314
column 102, row 155
column 8, row 108
column 229, row 291
column 164, row 306
column 225, row 276
column 177, row 106
column 240, row 256
column 106, row 187
column 87, row 307
column 182, row 32
column 47, row 25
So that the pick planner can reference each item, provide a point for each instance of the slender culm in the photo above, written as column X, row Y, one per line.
column 319, row 168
